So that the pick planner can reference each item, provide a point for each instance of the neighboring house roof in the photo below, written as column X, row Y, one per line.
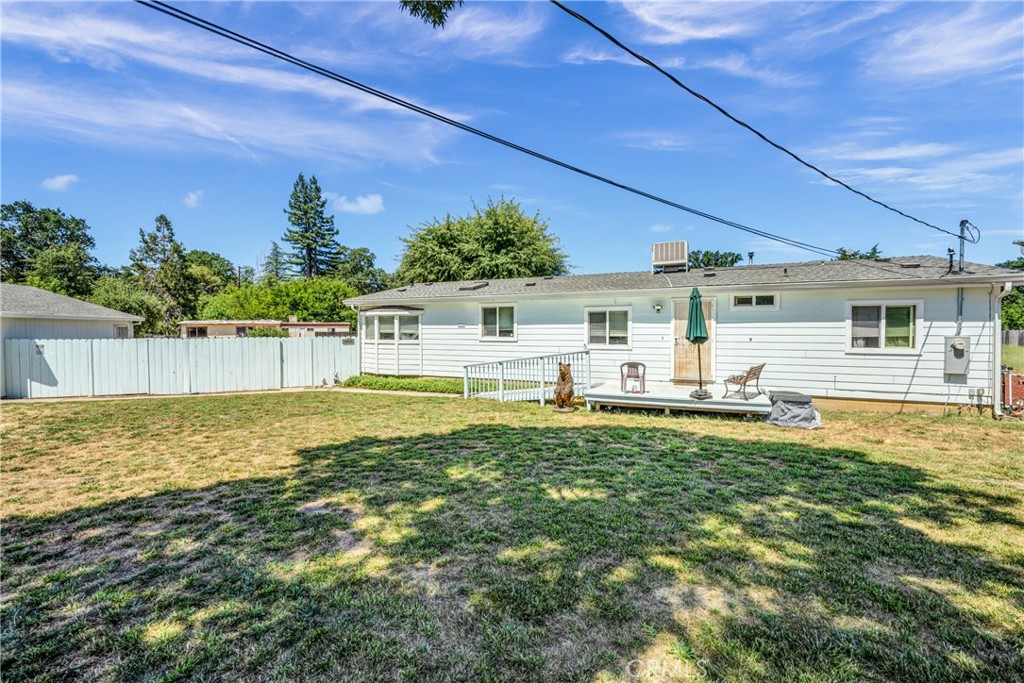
column 236, row 323
column 897, row 271
column 22, row 301
column 300, row 324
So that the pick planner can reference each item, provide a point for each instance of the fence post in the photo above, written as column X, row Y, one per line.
column 501, row 381
column 465, row 381
column 543, row 377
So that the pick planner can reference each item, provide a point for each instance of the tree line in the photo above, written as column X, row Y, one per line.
column 308, row 274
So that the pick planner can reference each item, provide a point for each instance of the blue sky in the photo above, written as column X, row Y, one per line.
column 116, row 113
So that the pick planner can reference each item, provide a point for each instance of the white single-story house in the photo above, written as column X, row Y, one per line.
column 202, row 329
column 33, row 313
column 845, row 332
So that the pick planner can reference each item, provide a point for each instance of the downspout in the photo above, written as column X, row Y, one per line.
column 997, row 349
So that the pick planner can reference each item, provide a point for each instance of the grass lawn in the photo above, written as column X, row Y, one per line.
column 332, row 536
column 1014, row 357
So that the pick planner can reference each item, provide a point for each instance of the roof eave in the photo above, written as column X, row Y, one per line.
column 67, row 316
column 946, row 281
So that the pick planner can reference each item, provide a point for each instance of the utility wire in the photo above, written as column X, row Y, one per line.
column 743, row 124
column 241, row 39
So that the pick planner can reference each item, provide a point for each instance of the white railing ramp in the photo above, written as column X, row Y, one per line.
column 525, row 379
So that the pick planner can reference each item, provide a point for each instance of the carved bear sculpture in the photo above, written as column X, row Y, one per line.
column 564, row 395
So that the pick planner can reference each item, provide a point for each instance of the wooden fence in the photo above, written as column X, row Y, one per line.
column 44, row 368
column 1013, row 337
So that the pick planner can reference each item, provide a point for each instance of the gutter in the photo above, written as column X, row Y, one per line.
column 482, row 295
column 997, row 348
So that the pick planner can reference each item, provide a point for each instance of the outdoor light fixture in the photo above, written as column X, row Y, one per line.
column 657, row 308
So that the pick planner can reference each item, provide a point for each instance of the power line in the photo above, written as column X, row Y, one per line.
column 725, row 113
column 241, row 39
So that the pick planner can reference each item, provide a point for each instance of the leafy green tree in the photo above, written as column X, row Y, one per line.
column 433, row 12
column 314, row 300
column 358, row 268
column 65, row 269
column 162, row 269
column 215, row 264
column 312, row 235
column 25, row 232
column 1013, row 303
column 267, row 332
column 123, row 294
column 495, row 241
column 717, row 259
column 275, row 267
column 844, row 254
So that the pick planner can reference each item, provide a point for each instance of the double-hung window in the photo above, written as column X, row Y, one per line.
column 389, row 327
column 607, row 326
column 498, row 322
column 884, row 326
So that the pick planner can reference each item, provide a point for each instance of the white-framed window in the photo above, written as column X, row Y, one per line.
column 122, row 332
column 498, row 323
column 761, row 301
column 884, row 326
column 408, row 327
column 608, row 327
column 390, row 327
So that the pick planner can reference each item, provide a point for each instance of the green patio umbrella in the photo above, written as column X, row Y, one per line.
column 697, row 333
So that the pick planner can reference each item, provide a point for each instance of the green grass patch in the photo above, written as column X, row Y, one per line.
column 1014, row 357
column 341, row 536
column 441, row 385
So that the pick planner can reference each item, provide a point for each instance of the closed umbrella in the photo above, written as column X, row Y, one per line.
column 697, row 333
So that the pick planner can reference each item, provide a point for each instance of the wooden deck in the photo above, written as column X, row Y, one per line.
column 669, row 397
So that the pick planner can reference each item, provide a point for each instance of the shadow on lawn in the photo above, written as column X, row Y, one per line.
column 502, row 553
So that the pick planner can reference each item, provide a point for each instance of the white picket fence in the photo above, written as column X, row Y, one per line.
column 45, row 368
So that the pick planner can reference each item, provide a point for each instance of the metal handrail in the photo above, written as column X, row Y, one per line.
column 525, row 379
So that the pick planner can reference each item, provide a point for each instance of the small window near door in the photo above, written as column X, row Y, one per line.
column 122, row 332
column 608, row 327
column 758, row 301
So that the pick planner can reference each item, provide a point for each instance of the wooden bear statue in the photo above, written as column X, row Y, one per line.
column 564, row 395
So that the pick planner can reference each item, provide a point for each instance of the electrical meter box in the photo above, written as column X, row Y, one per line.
column 957, row 356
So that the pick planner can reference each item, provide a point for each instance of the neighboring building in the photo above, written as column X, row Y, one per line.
column 297, row 329
column 203, row 329
column 863, row 330
column 33, row 313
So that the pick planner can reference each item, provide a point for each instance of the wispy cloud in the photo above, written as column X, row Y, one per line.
column 193, row 199
column 660, row 228
column 668, row 23
column 979, row 40
column 957, row 176
column 655, row 141
column 741, row 66
column 482, row 31
column 217, row 125
column 853, row 151
column 113, row 44
column 367, row 204
column 59, row 183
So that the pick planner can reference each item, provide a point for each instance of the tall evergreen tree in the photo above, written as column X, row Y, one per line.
column 312, row 235
column 275, row 267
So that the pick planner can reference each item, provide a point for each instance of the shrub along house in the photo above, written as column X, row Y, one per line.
column 903, row 332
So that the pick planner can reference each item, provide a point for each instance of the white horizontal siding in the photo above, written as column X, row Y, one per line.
column 803, row 343
column 41, row 328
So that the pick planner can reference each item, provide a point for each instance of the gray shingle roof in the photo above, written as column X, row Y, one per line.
column 21, row 301
column 897, row 271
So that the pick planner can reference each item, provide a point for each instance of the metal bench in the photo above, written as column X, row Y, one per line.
column 741, row 381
